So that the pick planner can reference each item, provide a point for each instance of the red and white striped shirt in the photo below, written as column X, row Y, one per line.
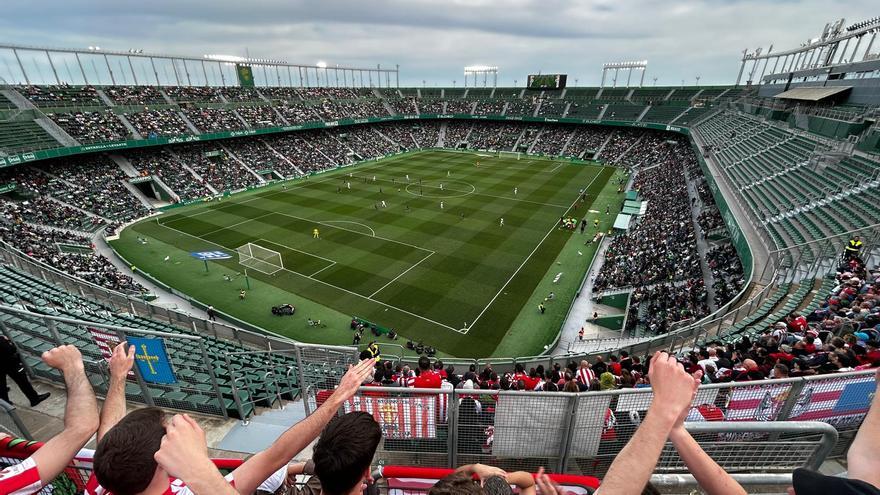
column 20, row 479
column 585, row 376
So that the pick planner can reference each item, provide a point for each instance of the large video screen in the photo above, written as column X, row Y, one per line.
column 546, row 81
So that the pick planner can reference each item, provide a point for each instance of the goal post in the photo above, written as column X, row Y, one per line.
column 258, row 258
column 510, row 154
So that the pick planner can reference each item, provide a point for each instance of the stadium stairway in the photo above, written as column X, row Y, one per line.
column 263, row 428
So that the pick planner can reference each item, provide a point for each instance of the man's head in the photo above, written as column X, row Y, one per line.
column 345, row 450
column 424, row 363
column 124, row 462
column 456, row 484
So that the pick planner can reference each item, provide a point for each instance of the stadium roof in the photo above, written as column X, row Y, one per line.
column 812, row 94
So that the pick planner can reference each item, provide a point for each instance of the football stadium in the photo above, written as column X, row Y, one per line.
column 383, row 274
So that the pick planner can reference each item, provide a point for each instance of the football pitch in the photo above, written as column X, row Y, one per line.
column 414, row 242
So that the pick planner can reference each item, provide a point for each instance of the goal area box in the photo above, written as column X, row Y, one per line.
column 258, row 258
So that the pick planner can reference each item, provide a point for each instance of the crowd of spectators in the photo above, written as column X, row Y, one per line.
column 403, row 106
column 234, row 94
column 489, row 107
column 551, row 108
column 586, row 141
column 656, row 307
column 162, row 164
column 621, row 140
column 95, row 184
column 727, row 271
column 525, row 107
column 43, row 211
column 298, row 113
column 400, row 133
column 456, row 133
column 258, row 116
column 190, row 94
column 280, row 93
column 368, row 142
column 43, row 244
column 551, row 140
column 135, row 95
column 61, row 95
column 297, row 150
column 324, row 93
column 459, row 106
column 426, row 134
column 661, row 247
column 431, row 106
column 493, row 135
column 91, row 127
column 648, row 148
column 151, row 124
column 259, row 157
column 213, row 119
column 215, row 166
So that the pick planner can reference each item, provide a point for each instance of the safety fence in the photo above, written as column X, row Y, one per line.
column 209, row 376
column 10, row 423
column 195, row 385
column 768, row 426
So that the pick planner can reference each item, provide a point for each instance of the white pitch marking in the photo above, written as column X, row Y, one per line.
column 555, row 223
column 401, row 274
column 336, row 287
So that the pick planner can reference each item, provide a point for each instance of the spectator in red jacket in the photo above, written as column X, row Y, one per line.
column 428, row 377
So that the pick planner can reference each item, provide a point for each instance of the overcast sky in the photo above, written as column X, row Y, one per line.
column 433, row 40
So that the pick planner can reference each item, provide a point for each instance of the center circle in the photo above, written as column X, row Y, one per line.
column 431, row 188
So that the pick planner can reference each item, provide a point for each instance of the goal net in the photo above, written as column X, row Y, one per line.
column 258, row 258
column 509, row 154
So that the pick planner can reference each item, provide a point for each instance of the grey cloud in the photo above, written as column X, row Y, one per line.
column 432, row 40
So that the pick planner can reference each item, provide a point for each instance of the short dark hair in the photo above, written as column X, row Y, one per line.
column 124, row 462
column 456, row 484
column 424, row 363
column 345, row 450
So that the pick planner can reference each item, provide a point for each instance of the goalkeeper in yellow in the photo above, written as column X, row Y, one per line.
column 316, row 234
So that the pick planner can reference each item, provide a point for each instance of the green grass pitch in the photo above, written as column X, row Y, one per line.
column 434, row 262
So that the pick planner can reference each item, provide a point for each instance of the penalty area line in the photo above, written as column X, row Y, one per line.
column 457, row 330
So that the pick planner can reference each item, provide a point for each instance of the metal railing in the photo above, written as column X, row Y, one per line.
column 196, row 388
column 10, row 423
column 747, row 427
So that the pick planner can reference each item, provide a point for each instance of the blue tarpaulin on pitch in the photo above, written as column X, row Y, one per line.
column 210, row 255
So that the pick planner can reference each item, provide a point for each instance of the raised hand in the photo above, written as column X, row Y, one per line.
column 65, row 358
column 546, row 486
column 354, row 377
column 673, row 387
column 121, row 361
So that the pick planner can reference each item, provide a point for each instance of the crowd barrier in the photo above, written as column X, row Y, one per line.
column 770, row 468
column 745, row 426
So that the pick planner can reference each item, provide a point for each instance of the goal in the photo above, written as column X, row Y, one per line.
column 258, row 258
column 509, row 154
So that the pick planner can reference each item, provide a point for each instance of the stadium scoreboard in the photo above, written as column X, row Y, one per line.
column 546, row 81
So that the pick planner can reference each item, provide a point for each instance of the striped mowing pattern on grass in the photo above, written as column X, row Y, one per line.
column 448, row 275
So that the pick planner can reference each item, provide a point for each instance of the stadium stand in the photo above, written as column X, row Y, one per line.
column 91, row 127
column 135, row 95
column 155, row 123
column 61, row 96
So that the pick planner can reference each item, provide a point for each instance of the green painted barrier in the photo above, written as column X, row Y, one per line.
column 610, row 322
